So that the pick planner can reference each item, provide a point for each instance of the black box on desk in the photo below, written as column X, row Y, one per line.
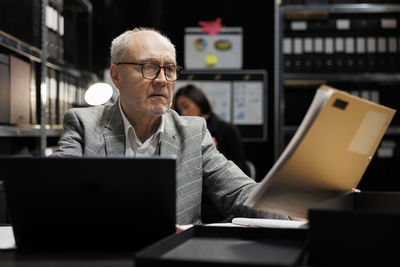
column 355, row 229
column 226, row 246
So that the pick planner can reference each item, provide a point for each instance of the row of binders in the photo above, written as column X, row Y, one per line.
column 20, row 92
column 327, row 43
column 63, row 93
column 320, row 21
column 347, row 45
column 340, row 62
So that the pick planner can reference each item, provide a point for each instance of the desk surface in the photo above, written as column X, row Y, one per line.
column 61, row 259
column 203, row 244
column 16, row 258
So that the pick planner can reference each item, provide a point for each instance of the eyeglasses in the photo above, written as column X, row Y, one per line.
column 151, row 71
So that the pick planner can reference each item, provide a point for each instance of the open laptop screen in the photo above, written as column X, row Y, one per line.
column 95, row 203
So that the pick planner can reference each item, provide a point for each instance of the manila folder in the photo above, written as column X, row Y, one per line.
column 327, row 156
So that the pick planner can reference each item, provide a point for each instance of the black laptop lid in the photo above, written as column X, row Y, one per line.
column 89, row 202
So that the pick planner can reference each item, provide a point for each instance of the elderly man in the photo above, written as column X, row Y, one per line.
column 141, row 123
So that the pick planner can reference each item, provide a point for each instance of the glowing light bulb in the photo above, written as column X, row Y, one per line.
column 98, row 94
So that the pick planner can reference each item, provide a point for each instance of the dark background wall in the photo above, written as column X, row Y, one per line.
column 110, row 18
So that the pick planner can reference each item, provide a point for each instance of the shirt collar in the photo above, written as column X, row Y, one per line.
column 127, row 125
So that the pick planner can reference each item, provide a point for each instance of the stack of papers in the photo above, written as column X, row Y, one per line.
column 270, row 223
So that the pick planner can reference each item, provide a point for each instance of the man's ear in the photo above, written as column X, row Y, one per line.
column 115, row 75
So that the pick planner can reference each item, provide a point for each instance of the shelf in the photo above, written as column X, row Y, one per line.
column 19, row 46
column 364, row 77
column 343, row 8
column 30, row 131
column 33, row 53
column 392, row 130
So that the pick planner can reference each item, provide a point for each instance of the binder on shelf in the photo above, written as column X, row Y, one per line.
column 20, row 72
column 71, row 93
column 62, row 91
column 52, row 97
column 47, row 103
column 14, row 90
column 4, row 88
column 327, row 156
column 33, row 96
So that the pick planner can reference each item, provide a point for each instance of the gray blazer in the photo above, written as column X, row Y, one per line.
column 99, row 132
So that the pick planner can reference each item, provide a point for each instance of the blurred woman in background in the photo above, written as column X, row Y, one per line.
column 191, row 101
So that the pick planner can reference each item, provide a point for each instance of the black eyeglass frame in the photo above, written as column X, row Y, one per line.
column 178, row 69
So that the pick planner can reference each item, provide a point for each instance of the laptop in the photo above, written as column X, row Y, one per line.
column 89, row 203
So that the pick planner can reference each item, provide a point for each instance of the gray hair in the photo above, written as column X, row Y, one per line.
column 119, row 44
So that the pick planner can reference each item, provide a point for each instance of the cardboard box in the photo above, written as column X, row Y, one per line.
column 355, row 229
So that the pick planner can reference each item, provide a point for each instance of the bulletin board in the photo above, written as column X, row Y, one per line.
column 239, row 97
column 223, row 50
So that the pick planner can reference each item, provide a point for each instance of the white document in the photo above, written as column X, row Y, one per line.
column 270, row 223
column 248, row 102
column 7, row 240
column 326, row 157
column 217, row 92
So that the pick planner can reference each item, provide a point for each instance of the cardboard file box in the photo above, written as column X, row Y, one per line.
column 226, row 246
column 355, row 229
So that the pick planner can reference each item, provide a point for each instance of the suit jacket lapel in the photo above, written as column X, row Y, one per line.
column 170, row 140
column 114, row 135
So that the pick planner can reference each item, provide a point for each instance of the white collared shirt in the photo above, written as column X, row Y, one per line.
column 133, row 146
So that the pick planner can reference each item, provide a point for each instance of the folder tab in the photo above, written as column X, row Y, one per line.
column 308, row 47
column 382, row 45
column 298, row 46
column 349, row 45
column 318, row 45
column 287, row 46
column 343, row 24
column 360, row 45
column 298, row 25
column 329, row 45
column 392, row 45
column 371, row 44
column 339, row 44
column 389, row 23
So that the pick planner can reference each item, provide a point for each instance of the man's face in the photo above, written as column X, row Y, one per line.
column 140, row 95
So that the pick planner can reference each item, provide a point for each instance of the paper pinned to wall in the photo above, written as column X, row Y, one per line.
column 247, row 102
column 218, row 94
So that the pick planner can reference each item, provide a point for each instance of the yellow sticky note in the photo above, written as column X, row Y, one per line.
column 211, row 59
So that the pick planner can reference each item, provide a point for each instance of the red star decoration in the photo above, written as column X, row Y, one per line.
column 211, row 27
